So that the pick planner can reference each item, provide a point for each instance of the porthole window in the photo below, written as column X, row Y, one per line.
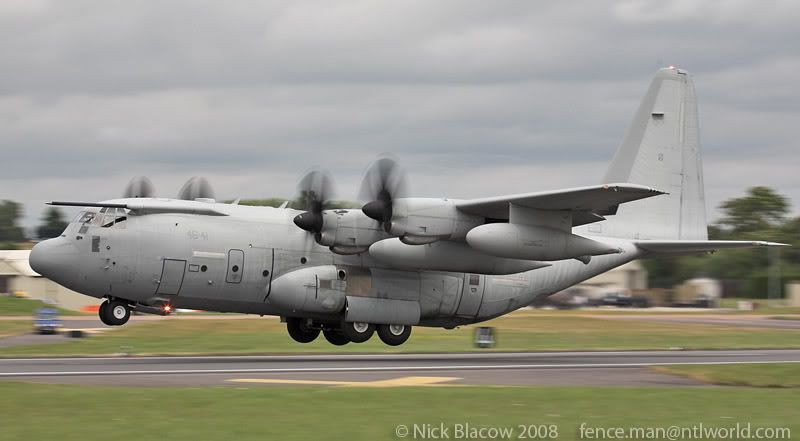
column 303, row 260
column 203, row 268
column 265, row 273
column 235, row 268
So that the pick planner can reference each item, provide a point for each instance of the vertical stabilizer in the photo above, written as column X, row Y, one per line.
column 661, row 149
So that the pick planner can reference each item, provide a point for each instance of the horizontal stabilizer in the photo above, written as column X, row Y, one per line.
column 595, row 201
column 699, row 246
column 150, row 206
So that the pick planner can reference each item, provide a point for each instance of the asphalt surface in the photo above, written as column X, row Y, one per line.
column 88, row 324
column 562, row 368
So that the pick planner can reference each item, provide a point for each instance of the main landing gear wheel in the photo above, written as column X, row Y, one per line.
column 115, row 313
column 335, row 337
column 299, row 331
column 358, row 332
column 102, row 312
column 394, row 335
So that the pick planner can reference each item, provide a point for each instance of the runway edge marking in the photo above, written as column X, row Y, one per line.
column 380, row 368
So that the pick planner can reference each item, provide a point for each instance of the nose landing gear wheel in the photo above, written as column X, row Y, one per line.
column 299, row 331
column 115, row 313
column 335, row 337
column 358, row 332
column 394, row 335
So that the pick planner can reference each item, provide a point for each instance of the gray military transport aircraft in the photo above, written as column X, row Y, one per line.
column 398, row 261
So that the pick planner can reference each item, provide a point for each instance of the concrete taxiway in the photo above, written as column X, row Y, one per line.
column 529, row 368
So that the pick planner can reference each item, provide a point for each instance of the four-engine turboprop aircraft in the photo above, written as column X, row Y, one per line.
column 399, row 261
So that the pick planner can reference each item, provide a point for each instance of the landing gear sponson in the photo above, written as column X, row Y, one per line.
column 306, row 331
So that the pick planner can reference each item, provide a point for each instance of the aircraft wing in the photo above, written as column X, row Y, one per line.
column 588, row 204
column 699, row 246
column 151, row 206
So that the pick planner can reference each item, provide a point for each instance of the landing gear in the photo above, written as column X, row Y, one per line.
column 114, row 312
column 394, row 335
column 305, row 330
column 358, row 332
column 335, row 337
column 300, row 331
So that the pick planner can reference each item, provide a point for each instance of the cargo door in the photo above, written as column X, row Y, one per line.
column 472, row 295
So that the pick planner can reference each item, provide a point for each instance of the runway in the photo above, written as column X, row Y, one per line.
column 528, row 368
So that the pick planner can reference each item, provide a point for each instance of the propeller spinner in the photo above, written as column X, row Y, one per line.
column 384, row 181
column 315, row 190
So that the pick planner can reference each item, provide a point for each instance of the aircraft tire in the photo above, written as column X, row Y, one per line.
column 358, row 332
column 394, row 335
column 335, row 337
column 103, row 313
column 117, row 313
column 299, row 331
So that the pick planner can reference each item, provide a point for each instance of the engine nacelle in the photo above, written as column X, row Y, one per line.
column 446, row 256
column 422, row 220
column 349, row 231
column 317, row 289
column 530, row 242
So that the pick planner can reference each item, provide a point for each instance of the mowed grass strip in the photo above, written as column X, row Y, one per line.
column 521, row 331
column 39, row 411
column 15, row 327
column 20, row 306
column 778, row 375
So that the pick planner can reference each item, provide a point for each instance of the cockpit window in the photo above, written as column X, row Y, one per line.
column 114, row 217
column 87, row 217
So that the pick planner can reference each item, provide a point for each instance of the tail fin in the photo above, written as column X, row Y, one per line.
column 661, row 149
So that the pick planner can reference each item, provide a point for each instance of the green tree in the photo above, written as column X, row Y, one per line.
column 760, row 214
column 760, row 210
column 10, row 212
column 53, row 223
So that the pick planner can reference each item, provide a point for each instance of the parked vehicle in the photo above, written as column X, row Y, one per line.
column 47, row 321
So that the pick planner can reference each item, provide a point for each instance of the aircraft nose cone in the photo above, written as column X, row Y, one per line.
column 52, row 257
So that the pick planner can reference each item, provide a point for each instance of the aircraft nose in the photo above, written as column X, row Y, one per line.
column 52, row 257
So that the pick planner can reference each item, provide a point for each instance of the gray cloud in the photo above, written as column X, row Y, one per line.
column 476, row 98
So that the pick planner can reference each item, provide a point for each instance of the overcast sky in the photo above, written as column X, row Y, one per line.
column 476, row 98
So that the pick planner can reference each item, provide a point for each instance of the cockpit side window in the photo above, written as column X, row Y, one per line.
column 114, row 218
column 87, row 217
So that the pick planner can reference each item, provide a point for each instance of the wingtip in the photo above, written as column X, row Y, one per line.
column 773, row 244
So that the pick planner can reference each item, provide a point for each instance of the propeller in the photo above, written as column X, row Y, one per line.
column 196, row 188
column 315, row 190
column 139, row 187
column 383, row 182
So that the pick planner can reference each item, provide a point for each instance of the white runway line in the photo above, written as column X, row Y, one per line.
column 378, row 368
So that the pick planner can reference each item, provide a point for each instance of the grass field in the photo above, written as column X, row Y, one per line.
column 753, row 375
column 17, row 306
column 521, row 331
column 14, row 327
column 36, row 411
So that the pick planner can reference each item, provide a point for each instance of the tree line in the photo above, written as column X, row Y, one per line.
column 761, row 214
